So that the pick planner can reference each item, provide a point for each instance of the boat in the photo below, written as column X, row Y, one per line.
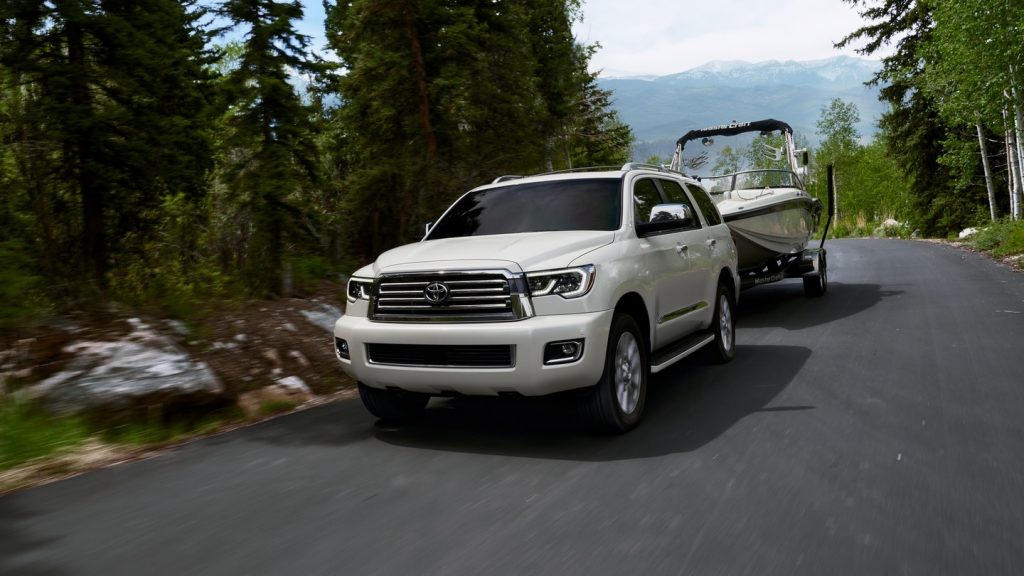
column 768, row 210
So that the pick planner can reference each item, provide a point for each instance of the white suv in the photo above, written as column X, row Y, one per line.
column 536, row 285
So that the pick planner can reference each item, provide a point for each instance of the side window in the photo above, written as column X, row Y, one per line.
column 645, row 197
column 676, row 195
column 707, row 205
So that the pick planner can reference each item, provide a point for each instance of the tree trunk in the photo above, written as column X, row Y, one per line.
column 988, row 173
column 1012, row 170
column 1018, row 122
column 420, row 73
column 81, row 149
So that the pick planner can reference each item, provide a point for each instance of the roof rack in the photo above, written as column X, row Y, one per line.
column 624, row 167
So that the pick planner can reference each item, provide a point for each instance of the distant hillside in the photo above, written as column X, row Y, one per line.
column 662, row 108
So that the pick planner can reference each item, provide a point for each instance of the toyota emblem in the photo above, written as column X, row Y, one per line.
column 436, row 293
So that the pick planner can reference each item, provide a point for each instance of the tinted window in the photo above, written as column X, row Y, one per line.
column 676, row 195
column 536, row 207
column 645, row 197
column 707, row 206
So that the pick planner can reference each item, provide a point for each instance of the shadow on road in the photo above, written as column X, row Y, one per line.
column 688, row 406
column 14, row 541
column 783, row 304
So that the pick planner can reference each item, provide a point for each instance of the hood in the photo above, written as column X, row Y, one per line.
column 527, row 252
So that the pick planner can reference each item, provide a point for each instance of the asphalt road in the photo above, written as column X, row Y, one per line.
column 877, row 430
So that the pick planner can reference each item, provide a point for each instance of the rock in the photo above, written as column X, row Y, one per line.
column 143, row 369
column 287, row 390
column 273, row 357
column 324, row 316
column 299, row 357
column 967, row 232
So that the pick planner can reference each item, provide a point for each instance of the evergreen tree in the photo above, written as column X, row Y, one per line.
column 107, row 102
column 269, row 153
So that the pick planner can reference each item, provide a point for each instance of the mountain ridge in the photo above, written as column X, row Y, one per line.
column 659, row 109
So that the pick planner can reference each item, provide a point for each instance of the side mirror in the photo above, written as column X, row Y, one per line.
column 667, row 217
column 806, row 157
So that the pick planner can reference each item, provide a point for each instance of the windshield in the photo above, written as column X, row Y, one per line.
column 750, row 180
column 592, row 204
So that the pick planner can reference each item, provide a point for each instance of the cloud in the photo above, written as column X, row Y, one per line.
column 664, row 37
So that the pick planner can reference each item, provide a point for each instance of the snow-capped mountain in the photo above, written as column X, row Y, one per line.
column 662, row 108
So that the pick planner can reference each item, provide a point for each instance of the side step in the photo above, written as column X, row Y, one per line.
column 669, row 355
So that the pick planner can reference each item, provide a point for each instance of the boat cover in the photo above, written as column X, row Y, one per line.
column 735, row 128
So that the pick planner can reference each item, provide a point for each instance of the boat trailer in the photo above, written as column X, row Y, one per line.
column 811, row 264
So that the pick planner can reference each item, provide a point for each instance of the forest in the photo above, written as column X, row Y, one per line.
column 147, row 160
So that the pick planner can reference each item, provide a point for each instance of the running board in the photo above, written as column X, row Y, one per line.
column 675, row 352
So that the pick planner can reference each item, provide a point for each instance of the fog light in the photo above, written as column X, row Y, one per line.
column 563, row 351
column 341, row 348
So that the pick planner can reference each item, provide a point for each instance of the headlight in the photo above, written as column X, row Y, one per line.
column 359, row 289
column 568, row 283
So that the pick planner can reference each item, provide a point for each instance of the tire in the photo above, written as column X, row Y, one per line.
column 393, row 405
column 817, row 285
column 616, row 404
column 724, row 326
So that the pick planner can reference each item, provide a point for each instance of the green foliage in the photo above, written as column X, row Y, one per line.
column 729, row 160
column 276, row 406
column 439, row 97
column 21, row 300
column 1001, row 238
column 27, row 433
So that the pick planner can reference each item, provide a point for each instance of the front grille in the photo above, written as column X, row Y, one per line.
column 449, row 356
column 469, row 297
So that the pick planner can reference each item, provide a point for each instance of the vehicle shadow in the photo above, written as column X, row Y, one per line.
column 783, row 304
column 688, row 406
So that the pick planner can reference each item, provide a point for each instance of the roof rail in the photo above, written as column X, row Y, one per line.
column 506, row 178
column 656, row 167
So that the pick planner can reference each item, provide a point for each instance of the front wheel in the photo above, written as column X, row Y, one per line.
column 617, row 402
column 392, row 405
column 724, row 326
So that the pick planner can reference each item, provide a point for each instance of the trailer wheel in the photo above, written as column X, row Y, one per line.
column 817, row 285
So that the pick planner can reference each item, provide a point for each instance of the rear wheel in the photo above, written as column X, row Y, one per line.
column 724, row 326
column 617, row 402
column 393, row 405
column 817, row 285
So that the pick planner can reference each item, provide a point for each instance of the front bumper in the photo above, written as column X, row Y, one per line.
column 529, row 376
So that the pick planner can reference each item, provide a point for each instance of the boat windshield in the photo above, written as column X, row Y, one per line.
column 751, row 180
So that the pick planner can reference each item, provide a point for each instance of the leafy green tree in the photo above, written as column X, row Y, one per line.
column 729, row 160
column 916, row 131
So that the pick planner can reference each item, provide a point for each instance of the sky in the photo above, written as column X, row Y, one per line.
column 659, row 37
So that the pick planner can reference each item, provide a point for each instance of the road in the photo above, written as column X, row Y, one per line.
column 877, row 430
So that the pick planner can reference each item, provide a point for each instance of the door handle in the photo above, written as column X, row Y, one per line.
column 682, row 250
column 712, row 242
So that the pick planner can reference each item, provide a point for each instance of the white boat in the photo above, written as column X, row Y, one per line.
column 770, row 213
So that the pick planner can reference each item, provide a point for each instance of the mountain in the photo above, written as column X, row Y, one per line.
column 660, row 109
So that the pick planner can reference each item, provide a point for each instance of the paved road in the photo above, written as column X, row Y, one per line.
column 877, row 430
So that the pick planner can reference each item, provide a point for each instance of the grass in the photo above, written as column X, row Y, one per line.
column 27, row 433
column 1001, row 238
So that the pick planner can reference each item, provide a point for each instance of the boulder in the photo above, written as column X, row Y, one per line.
column 138, row 371
column 286, row 390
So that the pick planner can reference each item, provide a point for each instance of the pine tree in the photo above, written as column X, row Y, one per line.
column 107, row 101
column 271, row 156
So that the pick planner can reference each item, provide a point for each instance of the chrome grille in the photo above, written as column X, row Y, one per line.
column 469, row 297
